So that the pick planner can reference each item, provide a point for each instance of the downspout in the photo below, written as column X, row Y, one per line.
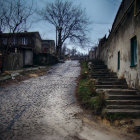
column 135, row 8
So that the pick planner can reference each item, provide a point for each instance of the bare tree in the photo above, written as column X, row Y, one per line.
column 73, row 51
column 2, row 16
column 64, row 48
column 70, row 21
column 17, row 15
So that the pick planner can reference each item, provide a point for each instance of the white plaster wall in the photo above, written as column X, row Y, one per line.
column 38, row 44
column 121, row 41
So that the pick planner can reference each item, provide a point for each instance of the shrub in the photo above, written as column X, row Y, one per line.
column 97, row 102
column 84, row 92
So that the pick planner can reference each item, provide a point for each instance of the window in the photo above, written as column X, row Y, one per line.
column 4, row 40
column 24, row 41
column 133, row 51
column 118, row 60
column 14, row 41
column 15, row 50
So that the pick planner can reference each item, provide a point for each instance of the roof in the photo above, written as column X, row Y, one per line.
column 122, row 9
column 22, row 34
column 48, row 41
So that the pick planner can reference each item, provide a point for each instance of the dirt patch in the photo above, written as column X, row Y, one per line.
column 24, row 76
column 92, row 117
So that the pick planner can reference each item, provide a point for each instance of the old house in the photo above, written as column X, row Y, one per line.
column 121, row 49
column 47, row 55
column 25, row 43
column 48, row 46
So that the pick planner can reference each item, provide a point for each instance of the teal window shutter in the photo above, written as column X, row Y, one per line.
column 118, row 60
column 134, row 51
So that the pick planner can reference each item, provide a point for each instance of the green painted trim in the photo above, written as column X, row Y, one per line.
column 118, row 60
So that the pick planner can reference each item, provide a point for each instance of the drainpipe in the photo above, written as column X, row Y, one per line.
column 135, row 8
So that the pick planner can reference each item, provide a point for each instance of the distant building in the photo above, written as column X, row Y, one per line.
column 26, row 43
column 92, row 53
column 48, row 46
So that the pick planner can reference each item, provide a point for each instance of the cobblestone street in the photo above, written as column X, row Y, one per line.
column 45, row 108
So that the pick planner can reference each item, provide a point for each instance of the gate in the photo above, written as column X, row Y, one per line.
column 0, row 61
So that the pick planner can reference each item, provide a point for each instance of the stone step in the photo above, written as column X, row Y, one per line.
column 132, row 113
column 119, row 99
column 122, row 92
column 122, row 102
column 102, row 72
column 99, row 71
column 123, row 107
column 111, row 83
column 105, row 77
column 110, row 86
column 97, row 62
column 99, row 66
column 122, row 97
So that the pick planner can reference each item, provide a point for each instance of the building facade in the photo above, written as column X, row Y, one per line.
column 48, row 46
column 25, row 43
column 121, row 49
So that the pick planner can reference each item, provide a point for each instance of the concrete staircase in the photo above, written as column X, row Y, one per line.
column 119, row 98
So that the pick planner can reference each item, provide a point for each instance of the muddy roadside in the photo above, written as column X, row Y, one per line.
column 25, row 75
column 124, row 126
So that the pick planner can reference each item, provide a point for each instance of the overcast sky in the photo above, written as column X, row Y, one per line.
column 100, row 12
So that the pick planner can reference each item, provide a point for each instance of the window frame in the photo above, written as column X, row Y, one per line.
column 118, row 60
column 24, row 40
column 133, row 51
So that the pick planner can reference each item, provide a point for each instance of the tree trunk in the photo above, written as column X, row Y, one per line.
column 59, row 43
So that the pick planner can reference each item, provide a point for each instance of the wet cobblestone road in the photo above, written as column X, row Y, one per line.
column 45, row 108
column 33, row 108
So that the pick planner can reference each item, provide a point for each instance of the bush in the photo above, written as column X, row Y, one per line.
column 97, row 102
column 84, row 92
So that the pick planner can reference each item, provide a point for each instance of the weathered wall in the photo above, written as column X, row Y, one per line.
column 13, row 61
column 123, row 8
column 119, row 40
column 45, row 59
column 37, row 44
column 49, row 46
